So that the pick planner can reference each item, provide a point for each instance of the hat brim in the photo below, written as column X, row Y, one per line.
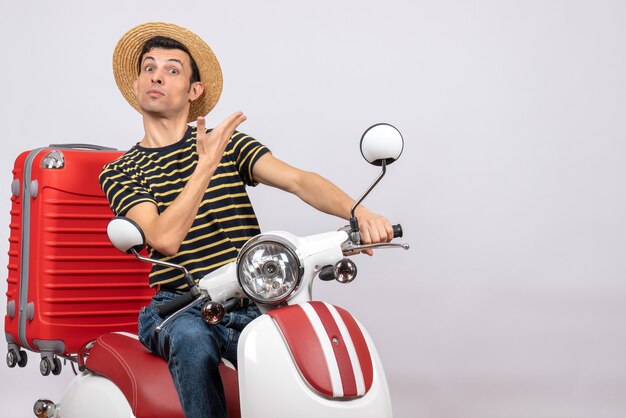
column 126, row 58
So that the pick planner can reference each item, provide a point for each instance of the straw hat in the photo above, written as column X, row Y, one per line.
column 126, row 57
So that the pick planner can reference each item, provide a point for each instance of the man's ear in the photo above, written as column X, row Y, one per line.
column 135, row 83
column 196, row 90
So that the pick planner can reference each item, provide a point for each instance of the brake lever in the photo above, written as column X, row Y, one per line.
column 349, row 247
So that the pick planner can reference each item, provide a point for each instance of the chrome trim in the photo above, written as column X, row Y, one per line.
column 44, row 408
column 349, row 248
column 53, row 160
column 289, row 246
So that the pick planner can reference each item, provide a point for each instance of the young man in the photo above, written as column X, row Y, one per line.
column 185, row 187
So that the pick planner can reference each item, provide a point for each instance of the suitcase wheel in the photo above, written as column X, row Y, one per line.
column 13, row 358
column 57, row 366
column 46, row 366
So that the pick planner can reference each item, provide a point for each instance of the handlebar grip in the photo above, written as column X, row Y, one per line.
column 175, row 304
column 397, row 231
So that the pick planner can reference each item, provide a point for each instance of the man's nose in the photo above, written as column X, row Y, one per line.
column 157, row 77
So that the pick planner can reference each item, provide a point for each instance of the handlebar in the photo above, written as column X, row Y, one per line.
column 168, row 308
column 186, row 299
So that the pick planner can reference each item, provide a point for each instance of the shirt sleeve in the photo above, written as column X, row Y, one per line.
column 246, row 151
column 122, row 190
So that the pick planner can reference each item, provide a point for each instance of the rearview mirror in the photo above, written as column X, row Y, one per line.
column 381, row 142
column 125, row 234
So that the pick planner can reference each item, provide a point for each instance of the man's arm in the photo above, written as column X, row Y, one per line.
column 322, row 195
column 165, row 232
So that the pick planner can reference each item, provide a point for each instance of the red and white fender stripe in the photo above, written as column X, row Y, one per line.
column 354, row 359
column 328, row 347
column 342, row 360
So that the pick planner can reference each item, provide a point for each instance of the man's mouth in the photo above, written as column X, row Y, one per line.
column 155, row 93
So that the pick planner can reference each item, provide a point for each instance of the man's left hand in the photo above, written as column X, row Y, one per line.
column 373, row 227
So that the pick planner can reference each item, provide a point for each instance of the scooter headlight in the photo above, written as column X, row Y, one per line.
column 268, row 269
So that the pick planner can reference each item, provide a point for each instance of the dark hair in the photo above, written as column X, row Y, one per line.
column 169, row 43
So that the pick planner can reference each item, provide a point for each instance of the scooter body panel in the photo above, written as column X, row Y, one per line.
column 271, row 385
column 94, row 396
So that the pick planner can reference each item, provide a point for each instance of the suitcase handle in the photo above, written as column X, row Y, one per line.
column 86, row 146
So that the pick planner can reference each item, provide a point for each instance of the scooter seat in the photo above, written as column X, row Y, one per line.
column 144, row 378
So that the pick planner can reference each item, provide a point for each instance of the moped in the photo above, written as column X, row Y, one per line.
column 300, row 358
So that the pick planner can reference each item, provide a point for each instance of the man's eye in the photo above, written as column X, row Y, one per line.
column 174, row 71
column 148, row 68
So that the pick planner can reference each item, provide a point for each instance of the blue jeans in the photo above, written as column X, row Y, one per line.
column 193, row 351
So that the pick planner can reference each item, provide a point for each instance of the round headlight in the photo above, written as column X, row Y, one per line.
column 268, row 270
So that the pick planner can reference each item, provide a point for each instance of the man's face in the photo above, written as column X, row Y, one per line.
column 163, row 87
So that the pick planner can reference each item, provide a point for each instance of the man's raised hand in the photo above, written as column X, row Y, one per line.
column 211, row 145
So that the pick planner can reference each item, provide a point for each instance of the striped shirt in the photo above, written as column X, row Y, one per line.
column 225, row 218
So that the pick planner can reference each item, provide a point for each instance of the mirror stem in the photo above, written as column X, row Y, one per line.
column 355, row 236
column 358, row 202
column 192, row 285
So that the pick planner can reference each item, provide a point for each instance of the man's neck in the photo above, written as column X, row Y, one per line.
column 161, row 132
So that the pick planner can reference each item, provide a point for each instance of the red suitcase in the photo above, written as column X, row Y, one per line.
column 66, row 282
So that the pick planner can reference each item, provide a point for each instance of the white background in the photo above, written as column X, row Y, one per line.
column 511, row 189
